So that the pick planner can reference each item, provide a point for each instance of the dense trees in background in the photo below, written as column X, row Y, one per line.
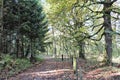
column 73, row 29
column 73, row 24
column 83, row 20
column 23, row 28
column 67, row 22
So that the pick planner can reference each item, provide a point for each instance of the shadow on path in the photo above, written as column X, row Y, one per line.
column 47, row 70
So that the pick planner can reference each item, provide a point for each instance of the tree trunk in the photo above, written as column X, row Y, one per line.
column 18, row 45
column 9, row 42
column 1, row 26
column 81, row 50
column 32, row 57
column 75, row 64
column 22, row 48
column 17, row 48
column 54, row 43
column 5, row 41
column 27, row 51
column 107, row 31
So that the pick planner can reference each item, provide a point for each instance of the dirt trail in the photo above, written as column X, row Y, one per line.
column 52, row 69
column 47, row 70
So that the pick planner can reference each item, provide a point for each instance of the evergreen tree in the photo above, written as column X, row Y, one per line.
column 34, row 27
column 25, row 27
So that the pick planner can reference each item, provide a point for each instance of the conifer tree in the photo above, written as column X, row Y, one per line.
column 24, row 25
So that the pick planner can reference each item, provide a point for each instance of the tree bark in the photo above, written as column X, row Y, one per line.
column 22, row 48
column 54, row 43
column 107, row 32
column 32, row 58
column 27, row 51
column 17, row 48
column 1, row 26
column 81, row 50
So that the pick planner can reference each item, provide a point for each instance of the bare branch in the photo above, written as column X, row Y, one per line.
column 116, row 12
column 104, row 2
column 94, row 26
column 96, row 32
column 93, row 17
column 94, row 11
column 116, row 33
column 90, row 36
column 113, row 1
column 99, row 38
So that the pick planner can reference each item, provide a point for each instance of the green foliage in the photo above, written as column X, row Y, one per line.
column 11, row 62
column 8, row 61
column 34, row 26
column 39, row 58
column 13, row 65
column 25, row 27
column 116, row 50
column 21, row 64
column 33, row 21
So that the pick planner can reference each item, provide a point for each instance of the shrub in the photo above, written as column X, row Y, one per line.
column 7, row 61
column 22, row 64
column 11, row 65
column 39, row 58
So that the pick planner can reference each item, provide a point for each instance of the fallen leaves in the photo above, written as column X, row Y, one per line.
column 61, row 70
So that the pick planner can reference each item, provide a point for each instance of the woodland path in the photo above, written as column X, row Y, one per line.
column 49, row 69
column 55, row 69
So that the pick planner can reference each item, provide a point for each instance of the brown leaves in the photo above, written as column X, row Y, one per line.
column 59, row 70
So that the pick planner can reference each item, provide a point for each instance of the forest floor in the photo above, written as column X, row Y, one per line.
column 56, row 69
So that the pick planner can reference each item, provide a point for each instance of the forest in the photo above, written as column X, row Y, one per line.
column 59, row 40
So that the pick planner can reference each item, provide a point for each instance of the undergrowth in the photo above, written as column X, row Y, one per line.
column 9, row 65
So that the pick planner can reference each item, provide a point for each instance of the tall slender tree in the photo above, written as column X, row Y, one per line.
column 36, row 28
column 1, row 23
